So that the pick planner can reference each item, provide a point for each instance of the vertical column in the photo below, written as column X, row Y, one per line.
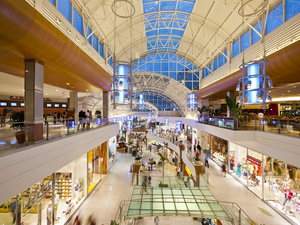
column 230, row 94
column 105, row 105
column 73, row 103
column 34, row 103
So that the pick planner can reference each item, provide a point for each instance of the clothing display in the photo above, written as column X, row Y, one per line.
column 238, row 170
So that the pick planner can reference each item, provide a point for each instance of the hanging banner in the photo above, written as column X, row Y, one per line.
column 253, row 160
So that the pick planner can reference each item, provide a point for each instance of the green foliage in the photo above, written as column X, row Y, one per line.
column 137, row 157
column 204, row 109
column 130, row 142
column 98, row 113
column 81, row 183
column 162, row 161
column 113, row 222
column 17, row 117
column 122, row 139
column 233, row 106
column 159, row 147
column 162, row 185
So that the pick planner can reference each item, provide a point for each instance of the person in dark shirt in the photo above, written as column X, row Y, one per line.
column 13, row 206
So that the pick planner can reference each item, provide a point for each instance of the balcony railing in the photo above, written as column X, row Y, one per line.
column 289, row 127
column 52, row 129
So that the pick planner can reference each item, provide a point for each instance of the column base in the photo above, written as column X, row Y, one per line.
column 34, row 132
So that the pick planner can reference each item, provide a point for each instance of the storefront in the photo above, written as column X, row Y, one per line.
column 112, row 152
column 268, row 178
column 219, row 150
column 70, row 184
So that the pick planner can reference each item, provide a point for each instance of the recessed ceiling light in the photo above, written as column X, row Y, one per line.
column 68, row 83
column 26, row 71
column 87, row 90
column 46, row 93
column 56, row 90
column 294, row 87
column 289, row 91
column 282, row 94
column 269, row 91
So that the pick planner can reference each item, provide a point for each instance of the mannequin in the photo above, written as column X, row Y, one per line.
column 76, row 189
column 49, row 212
column 56, row 202
column 288, row 195
column 238, row 170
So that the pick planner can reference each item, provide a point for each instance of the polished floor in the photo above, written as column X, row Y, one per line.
column 105, row 200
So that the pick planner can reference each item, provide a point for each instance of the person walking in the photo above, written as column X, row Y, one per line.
column 206, row 161
column 13, row 206
column 156, row 220
column 224, row 170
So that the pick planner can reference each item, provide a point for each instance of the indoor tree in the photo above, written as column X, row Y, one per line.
column 162, row 162
column 234, row 107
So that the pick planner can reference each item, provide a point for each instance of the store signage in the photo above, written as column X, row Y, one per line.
column 21, row 98
column 253, row 160
column 38, row 194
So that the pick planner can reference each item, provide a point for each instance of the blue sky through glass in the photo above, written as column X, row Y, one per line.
column 165, row 27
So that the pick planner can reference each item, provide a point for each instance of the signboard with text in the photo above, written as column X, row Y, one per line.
column 254, row 160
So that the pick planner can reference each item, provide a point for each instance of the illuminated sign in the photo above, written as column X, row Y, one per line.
column 166, row 121
column 253, row 160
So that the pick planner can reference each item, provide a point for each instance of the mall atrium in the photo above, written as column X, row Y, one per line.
column 150, row 112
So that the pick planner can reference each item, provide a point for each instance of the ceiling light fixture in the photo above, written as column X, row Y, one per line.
column 68, row 83
column 56, row 90
column 289, row 91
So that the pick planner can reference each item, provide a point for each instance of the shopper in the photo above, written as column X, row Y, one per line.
column 144, row 185
column 224, row 170
column 156, row 220
column 13, row 206
column 206, row 161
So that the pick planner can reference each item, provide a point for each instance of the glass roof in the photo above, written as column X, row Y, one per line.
column 165, row 23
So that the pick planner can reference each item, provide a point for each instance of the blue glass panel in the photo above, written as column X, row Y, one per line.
column 292, row 8
column 173, row 75
column 146, row 1
column 168, row 5
column 206, row 71
column 165, row 31
column 178, row 32
column 215, row 64
column 195, row 77
column 157, row 67
column 165, row 67
column 89, row 31
column 185, row 6
column 95, row 42
column 180, row 67
column 180, row 76
column 245, row 41
column 149, row 67
column 151, row 33
column 101, row 50
column 165, row 73
column 77, row 21
column 151, row 7
column 172, row 66
column 226, row 53
column 188, row 76
column 189, row 85
column 235, row 48
column 64, row 6
column 255, row 36
column 275, row 18
column 203, row 73
column 209, row 66
column 52, row 1
column 221, row 60
column 195, row 85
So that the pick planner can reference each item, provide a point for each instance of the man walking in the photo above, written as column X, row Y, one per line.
column 206, row 161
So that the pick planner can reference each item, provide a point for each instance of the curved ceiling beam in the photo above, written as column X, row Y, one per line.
column 26, row 34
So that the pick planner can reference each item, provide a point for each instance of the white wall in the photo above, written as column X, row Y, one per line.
column 282, row 147
column 28, row 165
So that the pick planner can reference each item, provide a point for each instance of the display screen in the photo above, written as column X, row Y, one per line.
column 49, row 105
column 22, row 104
column 64, row 105
column 3, row 104
column 13, row 104
column 56, row 105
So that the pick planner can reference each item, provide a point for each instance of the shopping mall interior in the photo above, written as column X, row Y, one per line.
column 150, row 112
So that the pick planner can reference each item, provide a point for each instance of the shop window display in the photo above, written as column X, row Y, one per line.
column 112, row 147
column 219, row 150
column 94, row 168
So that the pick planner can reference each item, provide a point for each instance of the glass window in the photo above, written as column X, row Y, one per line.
column 275, row 18
column 52, row 1
column 89, row 31
column 226, row 53
column 95, row 42
column 245, row 41
column 77, row 21
column 221, row 60
column 215, row 64
column 236, row 48
column 64, row 6
column 203, row 73
column 101, row 49
column 255, row 36
column 292, row 8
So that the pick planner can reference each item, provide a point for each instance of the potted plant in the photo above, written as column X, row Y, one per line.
column 98, row 113
column 121, row 143
column 18, row 118
column 197, row 158
column 235, row 108
column 113, row 222
column 162, row 162
column 137, row 159
column 203, row 111
column 80, row 186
